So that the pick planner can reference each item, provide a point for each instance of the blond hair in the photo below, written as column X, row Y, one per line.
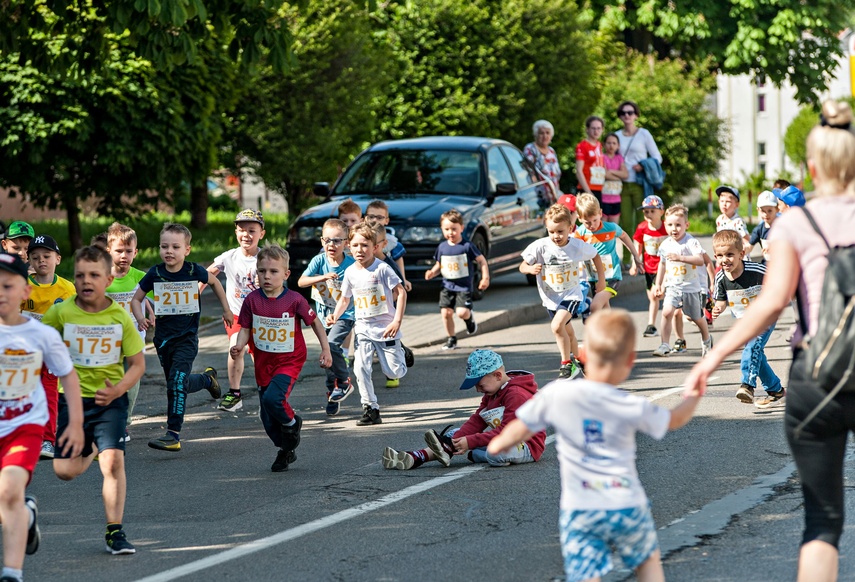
column 364, row 230
column 94, row 254
column 120, row 233
column 452, row 216
column 587, row 205
column 177, row 229
column 273, row 252
column 831, row 148
column 558, row 213
column 678, row 209
column 609, row 336
column 727, row 238
column 335, row 223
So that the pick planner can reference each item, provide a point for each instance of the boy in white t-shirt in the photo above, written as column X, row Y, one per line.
column 379, row 300
column 603, row 503
column 558, row 262
column 729, row 219
column 239, row 266
column 678, row 279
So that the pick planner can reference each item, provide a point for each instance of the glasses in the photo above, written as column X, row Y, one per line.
column 626, row 112
column 332, row 241
column 375, row 217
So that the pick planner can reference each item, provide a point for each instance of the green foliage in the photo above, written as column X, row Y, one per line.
column 786, row 40
column 797, row 132
column 673, row 108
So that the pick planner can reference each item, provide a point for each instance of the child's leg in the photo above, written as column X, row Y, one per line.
column 448, row 320
column 565, row 337
column 65, row 467
column 336, row 335
column 50, row 384
column 701, row 322
column 114, row 489
column 177, row 358
column 515, row 456
column 391, row 357
column 14, row 515
column 678, row 324
column 133, row 392
column 600, row 301
column 362, row 368
column 668, row 311
column 464, row 313
column 278, row 414
column 759, row 364
column 652, row 309
column 651, row 569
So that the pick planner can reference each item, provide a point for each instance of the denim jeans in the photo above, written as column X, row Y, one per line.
column 176, row 358
column 754, row 364
column 335, row 336
column 520, row 454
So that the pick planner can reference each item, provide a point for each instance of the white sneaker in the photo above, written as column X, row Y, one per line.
column 706, row 347
column 663, row 350
column 47, row 451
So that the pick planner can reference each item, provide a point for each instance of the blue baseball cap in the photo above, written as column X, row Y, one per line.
column 480, row 363
column 791, row 196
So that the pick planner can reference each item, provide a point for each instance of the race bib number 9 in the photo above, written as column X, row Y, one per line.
column 176, row 298
column 738, row 300
column 454, row 266
column 598, row 176
column 327, row 292
column 92, row 346
column 679, row 273
column 19, row 375
column 561, row 277
column 369, row 302
column 273, row 334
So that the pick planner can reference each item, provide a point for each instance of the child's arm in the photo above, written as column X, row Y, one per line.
column 135, row 371
column 136, row 308
column 432, row 272
column 309, row 280
column 407, row 285
column 71, row 442
column 485, row 272
column 627, row 242
column 340, row 308
column 400, row 296
column 718, row 308
column 527, row 269
column 236, row 351
column 212, row 270
column 326, row 356
column 580, row 176
column 710, row 269
column 620, row 174
column 149, row 309
column 601, row 274
column 639, row 248
column 515, row 433
column 697, row 260
column 217, row 288
column 682, row 413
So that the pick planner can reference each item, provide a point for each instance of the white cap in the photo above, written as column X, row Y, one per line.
column 766, row 198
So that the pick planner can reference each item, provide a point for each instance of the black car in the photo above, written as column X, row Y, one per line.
column 499, row 193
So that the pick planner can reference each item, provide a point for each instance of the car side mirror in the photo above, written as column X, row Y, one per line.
column 321, row 189
column 506, row 189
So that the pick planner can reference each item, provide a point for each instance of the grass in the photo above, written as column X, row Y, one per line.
column 216, row 238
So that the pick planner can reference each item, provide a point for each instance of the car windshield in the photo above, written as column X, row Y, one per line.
column 413, row 171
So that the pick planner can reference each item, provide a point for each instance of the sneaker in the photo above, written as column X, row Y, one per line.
column 745, row 393
column 125, row 439
column 771, row 398
column 409, row 358
column 34, row 536
column 339, row 393
column 117, row 543
column 283, row 459
column 400, row 460
column 679, row 346
column 450, row 343
column 333, row 406
column 214, row 388
column 48, row 451
column 231, row 402
column 166, row 443
column 440, row 445
column 392, row 382
column 347, row 361
column 650, row 331
column 471, row 325
column 706, row 347
column 369, row 416
column 663, row 350
column 569, row 370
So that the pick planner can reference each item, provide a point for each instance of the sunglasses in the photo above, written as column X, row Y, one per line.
column 626, row 112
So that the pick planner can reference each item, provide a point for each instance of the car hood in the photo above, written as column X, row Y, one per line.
column 404, row 209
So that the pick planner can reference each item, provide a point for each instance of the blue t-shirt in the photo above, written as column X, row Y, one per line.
column 320, row 265
column 761, row 231
column 169, row 327
column 459, row 258
column 605, row 241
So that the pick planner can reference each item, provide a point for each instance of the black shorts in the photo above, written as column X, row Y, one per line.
column 610, row 208
column 571, row 305
column 103, row 426
column 454, row 299
column 649, row 279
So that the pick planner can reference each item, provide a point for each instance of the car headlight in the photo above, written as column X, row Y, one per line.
column 307, row 233
column 416, row 234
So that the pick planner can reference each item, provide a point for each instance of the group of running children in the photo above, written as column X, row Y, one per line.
column 68, row 384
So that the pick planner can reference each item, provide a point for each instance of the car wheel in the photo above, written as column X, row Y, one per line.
column 481, row 244
column 532, row 280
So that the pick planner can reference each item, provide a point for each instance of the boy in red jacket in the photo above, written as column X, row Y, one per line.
column 503, row 392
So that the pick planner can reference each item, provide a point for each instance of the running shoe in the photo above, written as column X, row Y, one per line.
column 399, row 460
column 679, row 346
column 339, row 393
column 283, row 459
column 333, row 406
column 441, row 445
column 34, row 535
column 166, row 443
column 117, row 543
column 650, row 331
column 450, row 343
column 409, row 358
column 471, row 325
column 393, row 382
column 706, row 347
column 771, row 399
column 745, row 393
column 214, row 388
column 48, row 450
column 231, row 402
column 369, row 416
column 663, row 350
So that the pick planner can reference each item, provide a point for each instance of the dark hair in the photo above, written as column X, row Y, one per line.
column 617, row 137
column 781, row 183
column 94, row 254
column 591, row 119
column 632, row 103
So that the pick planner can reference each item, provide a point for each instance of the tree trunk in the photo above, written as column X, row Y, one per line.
column 199, row 204
column 75, row 233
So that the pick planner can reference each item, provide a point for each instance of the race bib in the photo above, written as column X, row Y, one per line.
column 739, row 300
column 92, row 346
column 651, row 244
column 454, row 266
column 33, row 315
column 613, row 187
column 123, row 299
column 608, row 267
column 764, row 244
column 273, row 334
column 561, row 277
column 598, row 176
column 176, row 298
column 679, row 273
column 369, row 301
column 493, row 417
column 19, row 375
column 327, row 292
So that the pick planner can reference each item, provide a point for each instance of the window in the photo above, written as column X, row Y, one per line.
column 497, row 169
column 761, row 149
column 760, row 81
column 761, row 103
column 518, row 163
column 762, row 168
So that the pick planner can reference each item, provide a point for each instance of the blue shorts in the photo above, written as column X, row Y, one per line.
column 103, row 426
column 588, row 536
column 571, row 305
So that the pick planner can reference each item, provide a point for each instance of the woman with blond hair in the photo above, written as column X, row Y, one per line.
column 798, row 260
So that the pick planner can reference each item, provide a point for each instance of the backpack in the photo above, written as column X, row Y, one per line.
column 830, row 357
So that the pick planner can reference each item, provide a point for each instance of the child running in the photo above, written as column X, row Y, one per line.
column 504, row 392
column 377, row 212
column 324, row 275
column 736, row 286
column 18, row 237
column 268, row 320
column 767, row 206
column 455, row 260
column 27, row 348
column 176, row 332
column 379, row 301
column 556, row 261
column 729, row 219
column 595, row 426
column 677, row 278
column 101, row 337
column 648, row 236
column 239, row 266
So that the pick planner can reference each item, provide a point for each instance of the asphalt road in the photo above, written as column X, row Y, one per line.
column 215, row 511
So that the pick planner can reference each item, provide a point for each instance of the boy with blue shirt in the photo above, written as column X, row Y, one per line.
column 176, row 333
column 324, row 275
column 455, row 261
column 767, row 206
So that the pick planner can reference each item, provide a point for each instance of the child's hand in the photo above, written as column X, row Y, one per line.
column 429, row 274
column 235, row 352
column 656, row 291
column 330, row 276
column 461, row 445
column 674, row 257
column 71, row 442
column 143, row 324
column 633, row 270
column 535, row 269
column 485, row 282
column 106, row 395
column 330, row 320
column 392, row 329
column 716, row 311
column 326, row 359
column 228, row 317
column 407, row 286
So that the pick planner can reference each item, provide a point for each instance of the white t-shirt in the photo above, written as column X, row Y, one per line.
column 240, row 276
column 681, row 277
column 635, row 148
column 595, row 426
column 561, row 276
column 734, row 223
column 21, row 342
column 370, row 291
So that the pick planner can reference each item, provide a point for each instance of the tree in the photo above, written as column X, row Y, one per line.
column 785, row 40
column 796, row 135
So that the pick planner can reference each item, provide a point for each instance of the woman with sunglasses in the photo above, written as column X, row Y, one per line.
column 636, row 144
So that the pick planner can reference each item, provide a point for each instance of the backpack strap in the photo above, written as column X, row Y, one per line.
column 800, row 301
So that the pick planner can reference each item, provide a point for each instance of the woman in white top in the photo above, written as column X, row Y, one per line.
column 636, row 144
column 798, row 261
column 542, row 155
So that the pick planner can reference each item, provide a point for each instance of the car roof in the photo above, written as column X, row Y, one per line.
column 462, row 143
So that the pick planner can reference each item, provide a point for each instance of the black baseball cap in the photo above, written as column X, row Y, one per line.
column 44, row 241
column 13, row 264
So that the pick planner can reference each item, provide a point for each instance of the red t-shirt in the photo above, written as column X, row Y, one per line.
column 592, row 155
column 650, row 240
column 291, row 304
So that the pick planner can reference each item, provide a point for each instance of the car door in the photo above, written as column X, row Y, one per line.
column 529, row 193
column 505, row 214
